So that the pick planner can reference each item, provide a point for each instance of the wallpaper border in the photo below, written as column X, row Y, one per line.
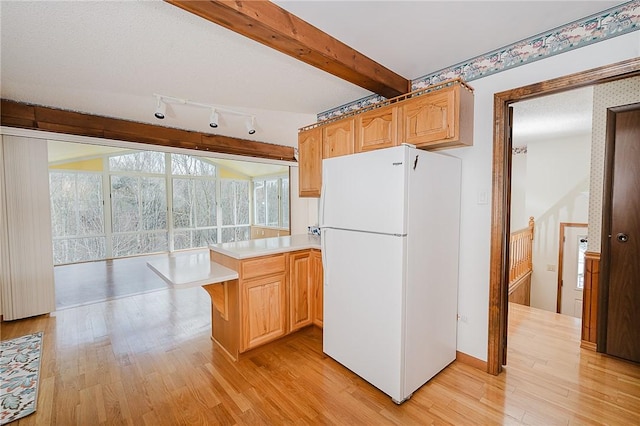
column 602, row 26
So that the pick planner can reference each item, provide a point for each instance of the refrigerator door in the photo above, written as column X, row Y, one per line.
column 363, row 304
column 365, row 191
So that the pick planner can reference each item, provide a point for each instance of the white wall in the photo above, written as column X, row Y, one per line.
column 473, row 299
column 304, row 211
column 556, row 191
column 4, row 239
column 519, row 216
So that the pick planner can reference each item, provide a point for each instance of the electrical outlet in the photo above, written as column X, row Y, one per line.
column 463, row 318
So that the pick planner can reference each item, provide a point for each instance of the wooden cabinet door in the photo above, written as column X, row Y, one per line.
column 338, row 138
column 318, row 283
column 429, row 118
column 300, row 290
column 263, row 310
column 377, row 129
column 310, row 162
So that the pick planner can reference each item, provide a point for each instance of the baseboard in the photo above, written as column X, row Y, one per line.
column 471, row 361
column 588, row 345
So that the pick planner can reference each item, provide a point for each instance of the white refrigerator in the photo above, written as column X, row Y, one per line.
column 390, row 222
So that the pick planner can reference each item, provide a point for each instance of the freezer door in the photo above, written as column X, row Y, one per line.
column 363, row 287
column 365, row 191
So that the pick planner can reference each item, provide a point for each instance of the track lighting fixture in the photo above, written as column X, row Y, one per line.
column 161, row 109
column 213, row 120
column 249, row 124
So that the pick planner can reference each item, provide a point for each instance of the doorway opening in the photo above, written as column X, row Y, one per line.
column 501, row 209
column 571, row 261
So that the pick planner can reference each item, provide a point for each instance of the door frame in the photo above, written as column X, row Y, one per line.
column 561, row 241
column 607, row 204
column 501, row 191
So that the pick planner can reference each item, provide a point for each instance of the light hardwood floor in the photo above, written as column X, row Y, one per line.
column 148, row 360
column 90, row 282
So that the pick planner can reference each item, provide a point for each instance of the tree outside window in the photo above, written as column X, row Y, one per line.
column 157, row 202
column 271, row 202
column 77, row 216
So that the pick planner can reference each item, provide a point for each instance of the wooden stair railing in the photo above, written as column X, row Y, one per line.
column 521, row 265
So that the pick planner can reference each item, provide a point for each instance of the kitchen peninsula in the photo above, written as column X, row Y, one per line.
column 278, row 290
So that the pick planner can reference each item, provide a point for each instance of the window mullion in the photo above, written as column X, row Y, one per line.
column 107, row 208
column 169, row 195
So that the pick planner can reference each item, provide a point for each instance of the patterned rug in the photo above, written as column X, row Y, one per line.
column 19, row 374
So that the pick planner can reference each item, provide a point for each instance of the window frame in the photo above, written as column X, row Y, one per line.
column 280, row 177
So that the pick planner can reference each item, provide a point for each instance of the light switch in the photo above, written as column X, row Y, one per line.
column 483, row 197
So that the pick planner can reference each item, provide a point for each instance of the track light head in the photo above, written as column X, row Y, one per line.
column 213, row 119
column 250, row 125
column 163, row 101
column 161, row 109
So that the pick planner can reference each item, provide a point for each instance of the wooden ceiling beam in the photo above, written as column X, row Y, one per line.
column 35, row 117
column 269, row 24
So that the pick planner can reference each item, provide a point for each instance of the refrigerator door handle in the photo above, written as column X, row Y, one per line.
column 323, row 237
column 322, row 197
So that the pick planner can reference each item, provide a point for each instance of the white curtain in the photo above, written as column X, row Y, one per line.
column 26, row 253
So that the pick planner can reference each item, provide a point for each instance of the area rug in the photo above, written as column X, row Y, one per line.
column 19, row 374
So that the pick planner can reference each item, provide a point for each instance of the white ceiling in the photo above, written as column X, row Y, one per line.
column 563, row 115
column 108, row 57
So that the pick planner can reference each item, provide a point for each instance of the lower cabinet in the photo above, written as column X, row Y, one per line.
column 273, row 296
column 317, row 279
column 300, row 290
column 263, row 304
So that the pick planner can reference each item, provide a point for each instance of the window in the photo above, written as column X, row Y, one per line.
column 194, row 202
column 143, row 162
column 138, row 203
column 271, row 202
column 77, row 216
column 156, row 202
column 582, row 249
column 234, row 202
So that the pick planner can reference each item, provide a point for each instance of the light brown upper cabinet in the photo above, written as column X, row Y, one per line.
column 310, row 162
column 338, row 138
column 439, row 119
column 431, row 118
column 377, row 129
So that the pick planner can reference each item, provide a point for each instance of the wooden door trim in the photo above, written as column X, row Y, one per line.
column 500, row 210
column 563, row 225
column 603, row 288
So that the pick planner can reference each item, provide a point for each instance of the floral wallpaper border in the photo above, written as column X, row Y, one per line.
column 610, row 23
column 516, row 150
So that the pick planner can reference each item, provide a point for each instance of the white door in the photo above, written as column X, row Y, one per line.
column 575, row 244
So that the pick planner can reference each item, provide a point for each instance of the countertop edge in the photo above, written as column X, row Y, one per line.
column 265, row 252
column 221, row 274
column 247, row 253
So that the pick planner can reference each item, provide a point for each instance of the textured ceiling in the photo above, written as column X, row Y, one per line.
column 109, row 58
column 561, row 115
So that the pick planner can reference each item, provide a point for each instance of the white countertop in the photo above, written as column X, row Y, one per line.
column 191, row 270
column 267, row 246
